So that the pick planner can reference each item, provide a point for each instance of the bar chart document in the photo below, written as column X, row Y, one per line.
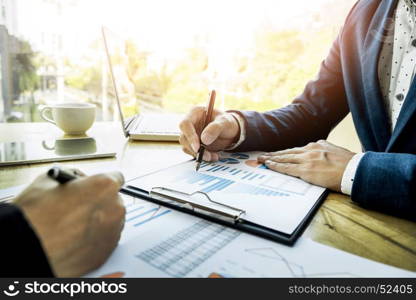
column 270, row 199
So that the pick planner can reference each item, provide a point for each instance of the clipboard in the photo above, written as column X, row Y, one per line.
column 220, row 213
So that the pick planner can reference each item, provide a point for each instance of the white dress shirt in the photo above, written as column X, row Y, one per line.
column 396, row 70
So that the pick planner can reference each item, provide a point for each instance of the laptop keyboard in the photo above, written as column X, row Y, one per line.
column 160, row 124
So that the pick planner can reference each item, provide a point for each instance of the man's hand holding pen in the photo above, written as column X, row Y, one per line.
column 79, row 222
column 219, row 134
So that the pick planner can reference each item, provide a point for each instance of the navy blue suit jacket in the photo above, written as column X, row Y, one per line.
column 348, row 82
column 21, row 252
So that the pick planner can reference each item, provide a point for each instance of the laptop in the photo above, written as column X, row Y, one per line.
column 139, row 126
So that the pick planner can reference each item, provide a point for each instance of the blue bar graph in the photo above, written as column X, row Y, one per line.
column 243, row 174
column 142, row 214
column 248, row 175
column 211, row 169
column 208, row 183
column 208, row 180
column 241, row 188
column 152, row 218
column 221, row 168
column 218, row 186
column 254, row 176
column 134, row 209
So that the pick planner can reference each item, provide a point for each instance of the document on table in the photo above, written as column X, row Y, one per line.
column 158, row 242
column 9, row 193
column 270, row 199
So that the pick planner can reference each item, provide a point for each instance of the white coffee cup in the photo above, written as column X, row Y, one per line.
column 72, row 118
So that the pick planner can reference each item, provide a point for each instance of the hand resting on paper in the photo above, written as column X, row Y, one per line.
column 320, row 163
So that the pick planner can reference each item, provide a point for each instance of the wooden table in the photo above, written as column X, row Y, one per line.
column 339, row 223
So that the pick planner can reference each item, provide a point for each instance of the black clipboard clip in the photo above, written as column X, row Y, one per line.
column 165, row 194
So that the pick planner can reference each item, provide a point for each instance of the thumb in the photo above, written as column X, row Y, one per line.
column 117, row 177
column 212, row 132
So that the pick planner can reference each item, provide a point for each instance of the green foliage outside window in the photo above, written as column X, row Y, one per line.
column 275, row 73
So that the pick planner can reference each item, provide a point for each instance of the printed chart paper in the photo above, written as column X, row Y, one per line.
column 269, row 198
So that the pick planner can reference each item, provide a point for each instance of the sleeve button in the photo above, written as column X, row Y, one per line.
column 400, row 97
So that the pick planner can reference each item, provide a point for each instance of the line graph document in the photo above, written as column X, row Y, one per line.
column 269, row 198
column 164, row 243
column 249, row 256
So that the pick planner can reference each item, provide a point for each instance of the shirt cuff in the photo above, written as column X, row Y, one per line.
column 242, row 126
column 349, row 174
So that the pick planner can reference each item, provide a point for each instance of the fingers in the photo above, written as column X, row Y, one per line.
column 324, row 142
column 191, row 153
column 118, row 177
column 189, row 137
column 262, row 158
column 186, row 146
column 213, row 131
column 265, row 156
column 190, row 126
column 285, row 168
column 77, row 172
column 46, row 182
column 106, row 227
column 214, row 156
column 287, row 158
column 297, row 150
column 111, row 179
column 114, row 214
column 208, row 156
column 100, row 187
column 192, row 137
column 289, row 163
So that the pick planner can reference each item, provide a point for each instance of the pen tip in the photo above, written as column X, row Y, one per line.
column 197, row 167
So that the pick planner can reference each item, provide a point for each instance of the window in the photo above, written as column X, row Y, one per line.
column 257, row 54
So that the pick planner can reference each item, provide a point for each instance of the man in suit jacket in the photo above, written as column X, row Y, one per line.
column 63, row 230
column 369, row 72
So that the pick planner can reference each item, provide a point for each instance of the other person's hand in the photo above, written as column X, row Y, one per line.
column 320, row 163
column 78, row 223
column 220, row 134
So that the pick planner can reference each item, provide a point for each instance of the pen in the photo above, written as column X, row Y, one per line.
column 208, row 119
column 60, row 175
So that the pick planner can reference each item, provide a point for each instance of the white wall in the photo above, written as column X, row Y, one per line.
column 8, row 15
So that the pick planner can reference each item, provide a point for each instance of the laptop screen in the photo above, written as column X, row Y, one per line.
column 117, row 51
